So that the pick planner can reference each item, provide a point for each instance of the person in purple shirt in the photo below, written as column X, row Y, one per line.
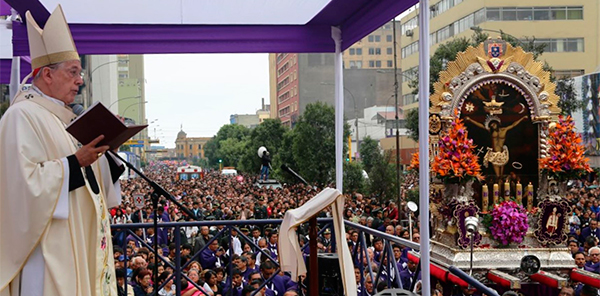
column 210, row 258
column 163, row 233
column 272, row 244
column 280, row 283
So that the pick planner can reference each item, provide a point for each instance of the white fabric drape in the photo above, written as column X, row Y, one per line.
column 290, row 254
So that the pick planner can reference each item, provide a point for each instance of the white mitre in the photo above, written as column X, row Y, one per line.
column 53, row 44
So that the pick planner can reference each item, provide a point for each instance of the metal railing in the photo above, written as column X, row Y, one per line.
column 388, row 268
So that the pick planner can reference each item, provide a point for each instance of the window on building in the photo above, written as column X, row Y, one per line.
column 562, row 74
column 509, row 13
column 524, row 13
column 359, row 51
column 388, row 38
column 377, row 38
column 190, row 146
column 575, row 13
column 390, row 63
column 541, row 13
column 371, row 51
column 378, row 51
column 389, row 50
column 378, row 64
column 493, row 14
column 351, row 51
column 358, row 64
column 371, row 64
column 352, row 65
column 371, row 38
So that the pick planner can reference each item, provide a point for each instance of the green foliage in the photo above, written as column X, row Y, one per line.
column 285, row 156
column 568, row 102
column 412, row 123
column 270, row 134
column 382, row 179
column 231, row 151
column 353, row 177
column 3, row 107
column 229, row 141
column 126, row 148
column 314, row 143
column 369, row 153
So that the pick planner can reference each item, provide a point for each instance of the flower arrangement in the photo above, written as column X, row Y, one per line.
column 414, row 162
column 565, row 159
column 456, row 162
column 507, row 223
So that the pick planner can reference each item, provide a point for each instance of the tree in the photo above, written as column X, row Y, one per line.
column 568, row 102
column 382, row 179
column 412, row 124
column 212, row 149
column 369, row 152
column 3, row 107
column 285, row 155
column 268, row 134
column 314, row 143
column 353, row 177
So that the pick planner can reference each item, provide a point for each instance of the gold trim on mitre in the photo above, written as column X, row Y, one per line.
column 53, row 44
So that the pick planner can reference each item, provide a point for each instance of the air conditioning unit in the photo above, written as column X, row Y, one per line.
column 409, row 33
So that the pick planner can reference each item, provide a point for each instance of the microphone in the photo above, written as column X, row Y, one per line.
column 289, row 170
column 77, row 109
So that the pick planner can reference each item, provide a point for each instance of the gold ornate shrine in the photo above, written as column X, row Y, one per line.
column 506, row 102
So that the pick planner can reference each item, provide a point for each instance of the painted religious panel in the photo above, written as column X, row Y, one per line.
column 551, row 228
column 497, row 116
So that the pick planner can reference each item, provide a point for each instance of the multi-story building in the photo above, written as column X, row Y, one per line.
column 252, row 120
column 375, row 51
column 569, row 28
column 191, row 149
column 299, row 79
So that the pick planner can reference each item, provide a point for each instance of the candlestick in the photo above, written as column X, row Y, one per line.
column 519, row 193
column 529, row 191
column 496, row 193
column 485, row 198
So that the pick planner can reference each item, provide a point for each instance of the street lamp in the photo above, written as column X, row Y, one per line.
column 355, row 115
column 134, row 104
column 111, row 104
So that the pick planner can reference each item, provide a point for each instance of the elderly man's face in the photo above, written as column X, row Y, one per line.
column 64, row 80
column 595, row 255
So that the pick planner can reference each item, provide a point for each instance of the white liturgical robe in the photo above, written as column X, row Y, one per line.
column 40, row 216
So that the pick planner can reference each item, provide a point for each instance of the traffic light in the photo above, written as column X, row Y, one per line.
column 347, row 159
column 220, row 160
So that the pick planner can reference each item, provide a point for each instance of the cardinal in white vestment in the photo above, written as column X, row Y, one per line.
column 54, row 195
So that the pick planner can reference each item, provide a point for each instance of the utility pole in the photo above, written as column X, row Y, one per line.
column 397, row 119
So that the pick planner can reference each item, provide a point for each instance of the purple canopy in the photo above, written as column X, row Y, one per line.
column 355, row 18
column 5, row 67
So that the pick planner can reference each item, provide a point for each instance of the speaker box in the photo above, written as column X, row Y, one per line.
column 330, row 278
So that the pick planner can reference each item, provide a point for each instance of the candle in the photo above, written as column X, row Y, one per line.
column 485, row 199
column 496, row 193
column 529, row 191
column 519, row 193
column 506, row 191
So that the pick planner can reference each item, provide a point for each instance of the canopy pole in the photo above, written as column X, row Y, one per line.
column 424, row 143
column 336, row 34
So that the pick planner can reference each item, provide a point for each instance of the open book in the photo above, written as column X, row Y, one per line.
column 98, row 120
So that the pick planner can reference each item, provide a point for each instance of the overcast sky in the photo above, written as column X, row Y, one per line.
column 201, row 91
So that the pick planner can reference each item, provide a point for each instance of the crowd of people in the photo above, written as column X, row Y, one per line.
column 253, row 252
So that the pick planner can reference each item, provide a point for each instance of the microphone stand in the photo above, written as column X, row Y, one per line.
column 156, row 194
